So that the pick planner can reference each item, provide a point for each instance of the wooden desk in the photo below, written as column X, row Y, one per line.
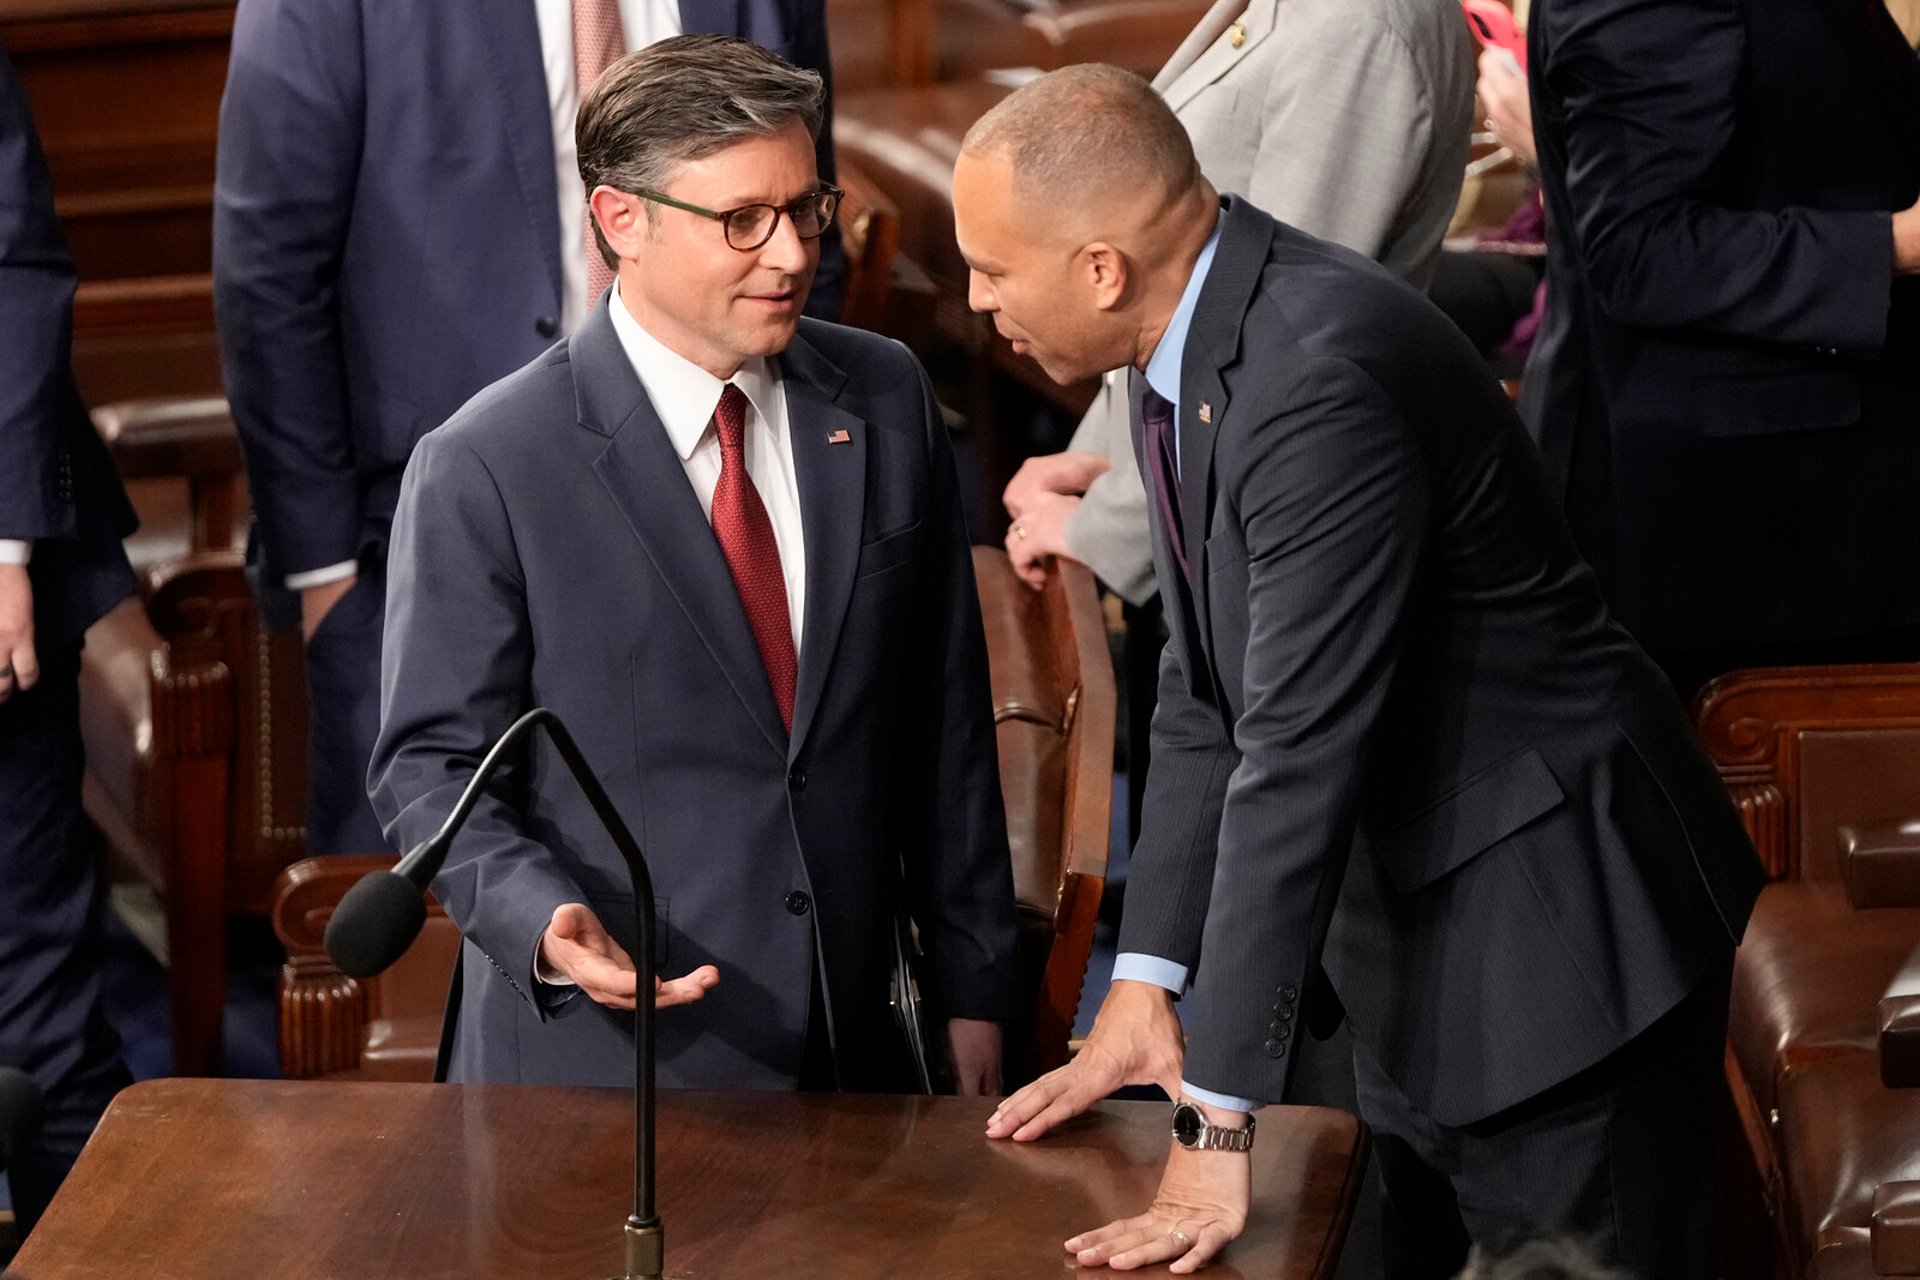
column 207, row 1179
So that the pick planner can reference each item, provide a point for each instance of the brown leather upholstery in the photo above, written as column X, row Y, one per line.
column 385, row 1028
column 1880, row 863
column 1053, row 703
column 1782, row 1015
column 194, row 719
column 1896, row 1229
column 1053, row 710
column 1826, row 996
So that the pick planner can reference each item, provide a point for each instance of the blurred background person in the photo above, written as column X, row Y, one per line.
column 62, row 516
column 1726, row 385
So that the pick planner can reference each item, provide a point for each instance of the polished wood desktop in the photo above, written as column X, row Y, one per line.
column 209, row 1179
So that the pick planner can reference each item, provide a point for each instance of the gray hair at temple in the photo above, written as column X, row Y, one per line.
column 1086, row 133
column 684, row 99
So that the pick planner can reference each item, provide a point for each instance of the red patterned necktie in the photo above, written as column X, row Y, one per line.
column 745, row 534
column 598, row 42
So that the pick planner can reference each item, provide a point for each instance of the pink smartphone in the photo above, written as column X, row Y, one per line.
column 1493, row 26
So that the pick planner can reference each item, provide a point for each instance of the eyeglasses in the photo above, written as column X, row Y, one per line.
column 752, row 225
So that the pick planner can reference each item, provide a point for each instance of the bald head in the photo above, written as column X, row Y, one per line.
column 1089, row 141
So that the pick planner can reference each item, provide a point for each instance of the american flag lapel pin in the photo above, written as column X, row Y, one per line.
column 839, row 437
column 1206, row 411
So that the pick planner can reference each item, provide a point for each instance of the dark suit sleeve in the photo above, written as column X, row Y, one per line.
column 454, row 675
column 809, row 26
column 290, row 140
column 1649, row 94
column 959, row 874
column 36, row 323
column 1332, row 503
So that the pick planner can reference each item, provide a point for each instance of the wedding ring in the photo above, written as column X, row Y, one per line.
column 1182, row 1239
column 1020, row 531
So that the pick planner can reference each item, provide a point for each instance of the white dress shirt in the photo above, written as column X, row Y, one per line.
column 684, row 395
column 642, row 22
column 15, row 551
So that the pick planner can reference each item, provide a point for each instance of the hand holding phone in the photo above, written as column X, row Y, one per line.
column 1493, row 26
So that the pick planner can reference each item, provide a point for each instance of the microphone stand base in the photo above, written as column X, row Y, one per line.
column 646, row 1251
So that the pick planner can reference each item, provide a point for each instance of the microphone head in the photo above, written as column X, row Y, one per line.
column 376, row 921
column 21, row 1107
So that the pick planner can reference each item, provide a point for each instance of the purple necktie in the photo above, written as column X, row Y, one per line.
column 1163, row 450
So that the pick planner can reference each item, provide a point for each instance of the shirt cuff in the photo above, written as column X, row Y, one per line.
column 548, row 977
column 15, row 551
column 322, row 576
column 1224, row 1101
column 1134, row 966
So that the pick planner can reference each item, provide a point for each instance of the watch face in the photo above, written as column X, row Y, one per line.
column 1187, row 1124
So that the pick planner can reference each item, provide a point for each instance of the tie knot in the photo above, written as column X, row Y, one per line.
column 730, row 419
column 1155, row 409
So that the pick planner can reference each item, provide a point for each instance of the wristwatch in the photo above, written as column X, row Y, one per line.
column 1192, row 1130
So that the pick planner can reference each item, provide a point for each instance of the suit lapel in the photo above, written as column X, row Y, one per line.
column 1203, row 57
column 647, row 481
column 1213, row 348
column 830, row 465
column 513, row 43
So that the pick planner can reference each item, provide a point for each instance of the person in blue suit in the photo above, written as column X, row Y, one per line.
column 397, row 223
column 62, row 517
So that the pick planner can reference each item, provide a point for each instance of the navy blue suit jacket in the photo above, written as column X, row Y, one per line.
column 58, row 488
column 1727, row 381
column 549, row 551
column 386, row 236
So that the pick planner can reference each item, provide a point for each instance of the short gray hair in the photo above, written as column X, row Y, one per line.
column 1087, row 129
column 684, row 99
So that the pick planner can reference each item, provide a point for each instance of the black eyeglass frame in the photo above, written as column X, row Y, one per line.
column 725, row 216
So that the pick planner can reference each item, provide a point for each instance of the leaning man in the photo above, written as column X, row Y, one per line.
column 723, row 544
column 1406, row 770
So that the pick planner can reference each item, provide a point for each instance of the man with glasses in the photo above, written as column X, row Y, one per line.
column 723, row 543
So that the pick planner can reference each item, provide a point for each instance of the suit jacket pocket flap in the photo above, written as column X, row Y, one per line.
column 1482, row 811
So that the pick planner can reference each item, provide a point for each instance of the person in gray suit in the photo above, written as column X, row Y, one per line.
column 1406, row 768
column 1348, row 119
column 724, row 544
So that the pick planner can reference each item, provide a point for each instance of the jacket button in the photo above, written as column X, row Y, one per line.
column 1275, row 1049
column 797, row 780
column 1284, row 1012
column 1288, row 994
column 546, row 326
column 798, row 902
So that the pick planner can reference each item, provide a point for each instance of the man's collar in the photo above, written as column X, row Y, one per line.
column 684, row 394
column 1163, row 366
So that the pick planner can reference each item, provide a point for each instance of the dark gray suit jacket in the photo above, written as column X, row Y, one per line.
column 1397, row 730
column 549, row 551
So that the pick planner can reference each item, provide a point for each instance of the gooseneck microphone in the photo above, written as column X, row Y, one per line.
column 378, row 919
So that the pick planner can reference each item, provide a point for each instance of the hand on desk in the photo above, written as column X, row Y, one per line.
column 1201, row 1208
column 578, row 947
column 1135, row 1040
